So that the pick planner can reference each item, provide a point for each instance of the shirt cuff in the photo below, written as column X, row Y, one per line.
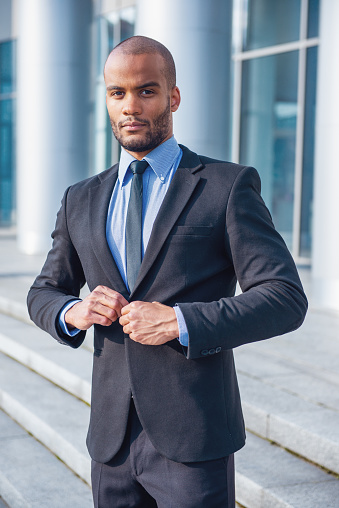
column 183, row 332
column 62, row 322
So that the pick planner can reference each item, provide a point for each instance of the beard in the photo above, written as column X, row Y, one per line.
column 152, row 138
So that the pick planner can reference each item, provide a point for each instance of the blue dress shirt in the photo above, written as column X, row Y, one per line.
column 163, row 162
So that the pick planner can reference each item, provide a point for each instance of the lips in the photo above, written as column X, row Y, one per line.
column 133, row 126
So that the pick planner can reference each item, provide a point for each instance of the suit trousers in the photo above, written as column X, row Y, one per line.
column 140, row 477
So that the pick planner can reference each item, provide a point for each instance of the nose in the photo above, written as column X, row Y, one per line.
column 131, row 105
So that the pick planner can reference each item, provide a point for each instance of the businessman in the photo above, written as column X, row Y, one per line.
column 161, row 239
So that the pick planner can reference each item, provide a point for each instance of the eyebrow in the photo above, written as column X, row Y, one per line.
column 144, row 85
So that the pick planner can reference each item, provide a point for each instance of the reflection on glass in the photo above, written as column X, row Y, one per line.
column 308, row 155
column 7, row 131
column 313, row 18
column 7, row 66
column 112, row 28
column 268, row 131
column 6, row 162
column 270, row 22
column 127, row 20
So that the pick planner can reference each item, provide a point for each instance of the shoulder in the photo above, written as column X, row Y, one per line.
column 209, row 167
column 85, row 185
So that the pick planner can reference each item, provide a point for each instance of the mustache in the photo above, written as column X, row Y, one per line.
column 131, row 119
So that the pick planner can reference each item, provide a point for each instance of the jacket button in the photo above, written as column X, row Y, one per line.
column 204, row 352
column 211, row 351
column 218, row 349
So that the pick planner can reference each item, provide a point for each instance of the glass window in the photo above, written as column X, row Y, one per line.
column 7, row 187
column 7, row 133
column 308, row 154
column 7, row 67
column 268, row 131
column 112, row 28
column 127, row 21
column 313, row 18
column 270, row 22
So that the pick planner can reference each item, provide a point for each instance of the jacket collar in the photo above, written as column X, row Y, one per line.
column 181, row 189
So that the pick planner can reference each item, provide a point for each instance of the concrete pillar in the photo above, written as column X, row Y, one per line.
column 325, row 267
column 53, row 110
column 198, row 34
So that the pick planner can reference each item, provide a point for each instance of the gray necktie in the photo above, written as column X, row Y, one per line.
column 134, row 223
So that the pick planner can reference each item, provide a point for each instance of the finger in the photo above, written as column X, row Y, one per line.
column 99, row 319
column 83, row 318
column 134, row 336
column 105, row 311
column 114, row 301
column 110, row 293
column 123, row 320
column 126, row 329
column 125, row 310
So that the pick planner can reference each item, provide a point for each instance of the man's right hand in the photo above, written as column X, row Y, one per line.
column 102, row 307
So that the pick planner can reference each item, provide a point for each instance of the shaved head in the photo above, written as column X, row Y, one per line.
column 140, row 45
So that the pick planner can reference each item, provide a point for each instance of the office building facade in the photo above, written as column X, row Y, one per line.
column 258, row 81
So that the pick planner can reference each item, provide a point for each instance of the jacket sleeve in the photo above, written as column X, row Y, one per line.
column 60, row 281
column 272, row 300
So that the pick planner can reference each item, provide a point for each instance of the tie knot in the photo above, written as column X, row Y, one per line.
column 138, row 166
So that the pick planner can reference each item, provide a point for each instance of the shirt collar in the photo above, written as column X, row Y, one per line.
column 161, row 160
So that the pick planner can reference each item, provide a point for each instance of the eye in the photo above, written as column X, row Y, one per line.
column 147, row 92
column 117, row 93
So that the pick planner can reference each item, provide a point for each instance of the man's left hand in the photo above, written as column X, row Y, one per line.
column 149, row 323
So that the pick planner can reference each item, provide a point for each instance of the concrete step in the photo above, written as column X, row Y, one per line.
column 51, row 415
column 32, row 477
column 15, row 309
column 304, row 362
column 267, row 476
column 300, row 426
column 68, row 368
column 288, row 417
column 304, row 425
column 290, row 389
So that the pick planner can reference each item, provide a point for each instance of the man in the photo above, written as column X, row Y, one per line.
column 166, row 416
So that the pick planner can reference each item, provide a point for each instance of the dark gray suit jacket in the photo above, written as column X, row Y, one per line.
column 212, row 229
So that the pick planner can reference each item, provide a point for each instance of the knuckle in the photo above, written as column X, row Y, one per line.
column 92, row 297
column 87, row 314
column 112, row 316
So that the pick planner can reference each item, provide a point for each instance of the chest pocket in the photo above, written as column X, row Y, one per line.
column 191, row 231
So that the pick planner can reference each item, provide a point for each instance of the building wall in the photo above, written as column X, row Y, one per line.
column 276, row 75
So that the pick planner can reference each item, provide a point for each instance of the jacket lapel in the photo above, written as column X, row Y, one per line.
column 182, row 186
column 99, row 199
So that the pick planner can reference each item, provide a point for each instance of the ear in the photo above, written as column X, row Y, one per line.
column 175, row 98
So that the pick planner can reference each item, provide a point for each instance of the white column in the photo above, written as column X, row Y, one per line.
column 198, row 34
column 325, row 268
column 53, row 109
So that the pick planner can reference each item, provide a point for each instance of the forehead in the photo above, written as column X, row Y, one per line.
column 123, row 69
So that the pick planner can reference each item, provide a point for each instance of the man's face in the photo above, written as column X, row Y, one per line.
column 139, row 102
